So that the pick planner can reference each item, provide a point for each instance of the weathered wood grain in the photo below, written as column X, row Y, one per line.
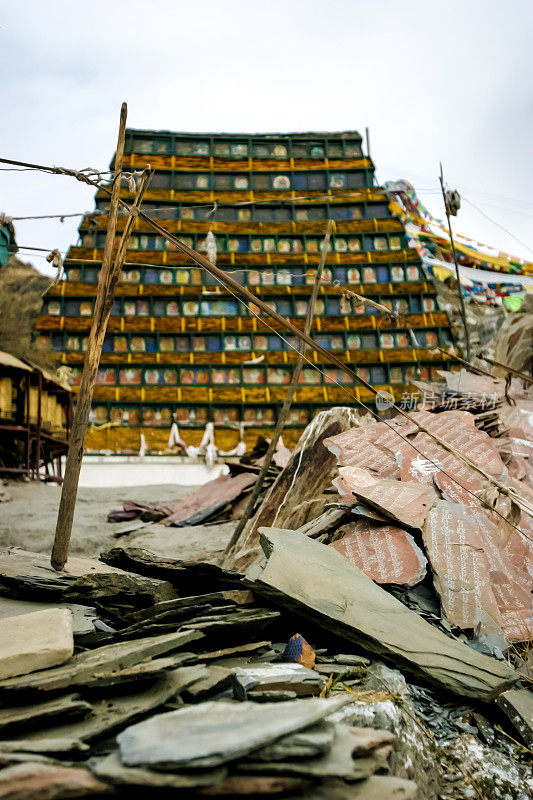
column 297, row 496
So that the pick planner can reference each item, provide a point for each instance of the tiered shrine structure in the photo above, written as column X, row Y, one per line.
column 182, row 348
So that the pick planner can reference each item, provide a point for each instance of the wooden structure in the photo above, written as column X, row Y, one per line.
column 35, row 417
column 181, row 347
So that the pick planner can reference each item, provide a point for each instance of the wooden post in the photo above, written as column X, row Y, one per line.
column 280, row 424
column 460, row 291
column 109, row 275
column 517, row 374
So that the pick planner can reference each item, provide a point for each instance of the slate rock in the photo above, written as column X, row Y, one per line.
column 112, row 770
column 337, row 669
column 276, row 676
column 337, row 762
column 255, row 785
column 83, row 667
column 34, row 781
column 319, row 583
column 83, row 617
column 113, row 713
column 70, row 706
column 215, row 732
column 312, row 742
column 299, row 493
column 268, row 695
column 47, row 744
column 351, row 660
column 35, row 641
column 377, row 787
column 252, row 647
column 217, row 680
column 30, row 575
column 517, row 704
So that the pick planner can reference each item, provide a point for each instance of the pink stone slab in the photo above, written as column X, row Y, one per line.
column 457, row 428
column 474, row 574
column 463, row 476
column 407, row 502
column 383, row 552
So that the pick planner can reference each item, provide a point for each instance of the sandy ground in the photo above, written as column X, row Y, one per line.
column 28, row 521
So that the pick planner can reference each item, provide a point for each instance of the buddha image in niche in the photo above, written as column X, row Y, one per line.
column 151, row 376
column 254, row 375
column 130, row 376
column 105, row 377
column 190, row 308
column 99, row 415
column 138, row 344
column 219, row 376
column 116, row 414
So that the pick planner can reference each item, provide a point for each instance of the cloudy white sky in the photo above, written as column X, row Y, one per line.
column 446, row 81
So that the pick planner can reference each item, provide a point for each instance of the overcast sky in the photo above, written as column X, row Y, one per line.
column 448, row 81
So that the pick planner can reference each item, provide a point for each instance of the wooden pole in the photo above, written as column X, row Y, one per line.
column 459, row 290
column 64, row 521
column 280, row 424
column 473, row 368
column 104, row 300
column 517, row 374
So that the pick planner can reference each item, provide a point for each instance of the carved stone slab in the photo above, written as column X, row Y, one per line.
column 462, row 575
column 407, row 502
column 202, row 502
column 321, row 584
column 385, row 553
column 457, row 428
column 477, row 581
column 432, row 457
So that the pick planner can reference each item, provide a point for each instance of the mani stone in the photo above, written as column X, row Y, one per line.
column 316, row 581
column 385, row 553
column 35, row 641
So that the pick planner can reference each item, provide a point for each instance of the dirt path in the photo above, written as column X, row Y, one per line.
column 28, row 520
